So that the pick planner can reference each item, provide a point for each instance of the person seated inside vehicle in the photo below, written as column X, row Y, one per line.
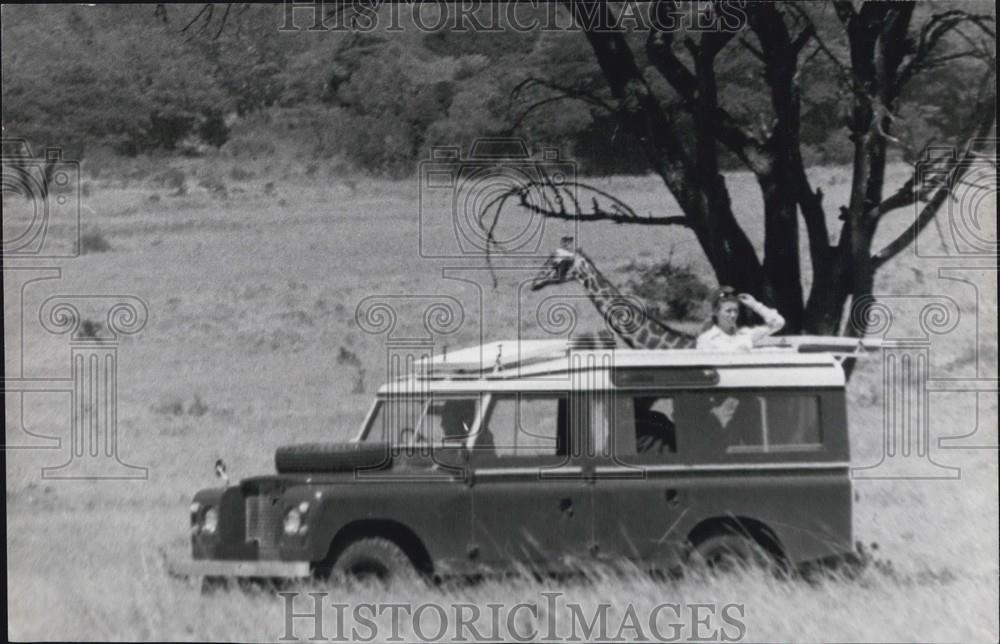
column 457, row 418
column 654, row 431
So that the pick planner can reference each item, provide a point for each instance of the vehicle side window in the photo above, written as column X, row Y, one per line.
column 447, row 421
column 396, row 420
column 655, row 432
column 421, row 422
column 752, row 422
column 793, row 420
column 520, row 425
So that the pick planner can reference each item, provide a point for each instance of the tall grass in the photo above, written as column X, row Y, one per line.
column 250, row 301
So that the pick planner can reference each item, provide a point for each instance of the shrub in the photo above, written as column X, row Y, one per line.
column 171, row 179
column 214, row 185
column 346, row 357
column 239, row 174
column 674, row 292
column 91, row 330
column 171, row 406
column 197, row 407
column 250, row 145
column 93, row 241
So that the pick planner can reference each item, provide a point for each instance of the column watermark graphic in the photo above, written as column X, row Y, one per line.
column 42, row 225
column 980, row 384
column 907, row 450
column 94, row 377
column 402, row 420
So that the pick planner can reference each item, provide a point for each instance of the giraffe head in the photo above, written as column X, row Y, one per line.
column 559, row 267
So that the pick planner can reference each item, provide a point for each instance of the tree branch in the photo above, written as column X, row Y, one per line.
column 205, row 9
column 545, row 197
column 804, row 36
column 931, row 34
column 941, row 184
column 727, row 129
column 564, row 93
column 206, row 15
column 845, row 11
column 843, row 70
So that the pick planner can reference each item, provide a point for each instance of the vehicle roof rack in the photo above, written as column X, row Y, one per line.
column 502, row 355
column 838, row 347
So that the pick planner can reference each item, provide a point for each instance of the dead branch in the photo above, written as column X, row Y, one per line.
column 563, row 201
column 728, row 131
column 563, row 92
column 931, row 34
column 205, row 19
column 206, row 10
column 939, row 188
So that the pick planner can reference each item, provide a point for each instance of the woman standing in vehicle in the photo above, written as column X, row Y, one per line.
column 726, row 334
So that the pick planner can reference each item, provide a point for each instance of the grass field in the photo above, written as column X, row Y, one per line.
column 252, row 277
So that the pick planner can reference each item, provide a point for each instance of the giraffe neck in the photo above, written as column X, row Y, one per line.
column 630, row 322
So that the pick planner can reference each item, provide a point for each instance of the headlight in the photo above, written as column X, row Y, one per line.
column 210, row 522
column 293, row 521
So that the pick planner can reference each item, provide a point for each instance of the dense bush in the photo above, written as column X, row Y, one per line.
column 129, row 77
column 77, row 75
column 674, row 292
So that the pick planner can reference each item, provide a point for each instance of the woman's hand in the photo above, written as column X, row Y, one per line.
column 746, row 299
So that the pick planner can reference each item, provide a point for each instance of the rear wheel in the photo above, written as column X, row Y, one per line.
column 726, row 553
column 374, row 559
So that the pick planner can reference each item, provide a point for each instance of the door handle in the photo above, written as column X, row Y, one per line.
column 672, row 497
column 566, row 506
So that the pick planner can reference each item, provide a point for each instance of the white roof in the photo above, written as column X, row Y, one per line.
column 557, row 365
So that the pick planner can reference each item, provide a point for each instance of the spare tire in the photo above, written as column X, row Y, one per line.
column 331, row 457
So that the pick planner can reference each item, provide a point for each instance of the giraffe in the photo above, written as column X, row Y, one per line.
column 639, row 329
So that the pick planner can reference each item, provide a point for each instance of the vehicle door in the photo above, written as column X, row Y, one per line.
column 640, row 488
column 426, row 489
column 530, row 502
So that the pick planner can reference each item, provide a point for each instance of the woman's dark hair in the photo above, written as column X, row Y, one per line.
column 723, row 295
column 728, row 294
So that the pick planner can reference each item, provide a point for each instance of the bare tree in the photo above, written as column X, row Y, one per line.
column 885, row 53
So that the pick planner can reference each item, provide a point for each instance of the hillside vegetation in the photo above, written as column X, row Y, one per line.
column 376, row 99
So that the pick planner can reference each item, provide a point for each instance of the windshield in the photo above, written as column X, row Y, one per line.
column 416, row 422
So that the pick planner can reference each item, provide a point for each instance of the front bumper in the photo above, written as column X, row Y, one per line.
column 238, row 568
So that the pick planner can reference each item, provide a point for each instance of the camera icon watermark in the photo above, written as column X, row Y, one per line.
column 969, row 214
column 41, row 201
column 461, row 198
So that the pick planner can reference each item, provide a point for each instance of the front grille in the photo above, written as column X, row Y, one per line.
column 263, row 517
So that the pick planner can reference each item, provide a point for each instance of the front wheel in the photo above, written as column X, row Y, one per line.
column 374, row 558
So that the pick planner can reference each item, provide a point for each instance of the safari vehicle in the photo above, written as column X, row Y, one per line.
column 558, row 455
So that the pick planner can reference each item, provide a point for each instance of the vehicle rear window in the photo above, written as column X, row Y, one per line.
column 754, row 422
column 793, row 420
